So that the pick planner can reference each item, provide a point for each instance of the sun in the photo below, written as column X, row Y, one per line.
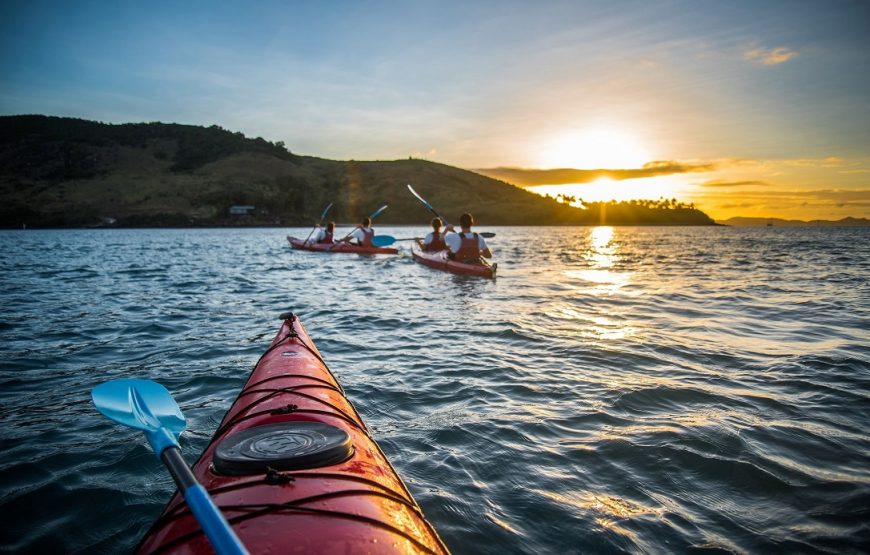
column 602, row 148
column 604, row 189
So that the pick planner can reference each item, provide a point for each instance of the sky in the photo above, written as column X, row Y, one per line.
column 743, row 108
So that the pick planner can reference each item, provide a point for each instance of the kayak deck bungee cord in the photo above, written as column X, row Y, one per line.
column 293, row 469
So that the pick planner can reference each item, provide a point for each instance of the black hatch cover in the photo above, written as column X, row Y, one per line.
column 293, row 445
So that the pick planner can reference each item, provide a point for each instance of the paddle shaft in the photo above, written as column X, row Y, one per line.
column 323, row 215
column 218, row 531
column 440, row 217
column 178, row 468
column 386, row 240
column 310, row 233
column 484, row 234
column 346, row 237
column 427, row 205
column 343, row 239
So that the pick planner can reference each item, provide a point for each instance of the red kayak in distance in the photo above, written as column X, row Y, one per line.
column 300, row 244
column 294, row 470
column 440, row 261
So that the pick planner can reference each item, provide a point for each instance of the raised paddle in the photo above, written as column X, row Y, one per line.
column 426, row 204
column 374, row 215
column 148, row 406
column 323, row 215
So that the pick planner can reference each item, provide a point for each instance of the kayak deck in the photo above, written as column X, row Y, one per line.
column 356, row 505
column 300, row 244
column 440, row 261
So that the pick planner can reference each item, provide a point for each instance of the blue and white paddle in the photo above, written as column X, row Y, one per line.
column 387, row 240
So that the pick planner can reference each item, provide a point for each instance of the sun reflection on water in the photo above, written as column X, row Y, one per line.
column 595, row 272
column 601, row 256
column 608, row 511
column 602, row 247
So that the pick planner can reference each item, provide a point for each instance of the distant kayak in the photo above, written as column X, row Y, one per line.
column 338, row 247
column 440, row 261
column 294, row 470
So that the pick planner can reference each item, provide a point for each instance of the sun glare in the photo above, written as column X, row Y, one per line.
column 593, row 149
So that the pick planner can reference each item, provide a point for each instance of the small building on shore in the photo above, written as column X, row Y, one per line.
column 241, row 210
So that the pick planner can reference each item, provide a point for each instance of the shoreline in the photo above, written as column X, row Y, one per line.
column 338, row 224
column 831, row 225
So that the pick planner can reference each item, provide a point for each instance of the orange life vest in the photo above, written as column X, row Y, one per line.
column 437, row 243
column 327, row 237
column 367, row 237
column 469, row 250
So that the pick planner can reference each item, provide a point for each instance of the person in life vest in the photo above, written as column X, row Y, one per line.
column 434, row 241
column 364, row 233
column 325, row 234
column 465, row 246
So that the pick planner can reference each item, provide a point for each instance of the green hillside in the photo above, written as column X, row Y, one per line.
column 71, row 172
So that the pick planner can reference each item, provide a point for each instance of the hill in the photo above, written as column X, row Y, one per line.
column 71, row 172
column 776, row 222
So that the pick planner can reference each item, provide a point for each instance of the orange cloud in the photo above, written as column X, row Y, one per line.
column 722, row 183
column 790, row 204
column 769, row 57
column 859, row 197
column 829, row 162
column 563, row 176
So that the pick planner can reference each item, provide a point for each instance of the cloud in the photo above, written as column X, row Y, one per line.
column 428, row 155
column 851, row 197
column 780, row 163
column 769, row 57
column 840, row 195
column 723, row 183
column 846, row 194
column 829, row 162
column 561, row 176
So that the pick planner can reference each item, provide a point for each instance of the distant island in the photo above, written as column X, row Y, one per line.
column 777, row 222
column 67, row 172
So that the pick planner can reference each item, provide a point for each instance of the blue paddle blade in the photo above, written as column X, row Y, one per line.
column 148, row 406
column 325, row 211
column 383, row 240
column 140, row 404
column 378, row 211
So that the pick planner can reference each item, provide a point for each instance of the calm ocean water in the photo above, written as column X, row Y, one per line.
column 613, row 390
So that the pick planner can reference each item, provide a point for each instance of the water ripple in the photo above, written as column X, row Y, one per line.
column 613, row 390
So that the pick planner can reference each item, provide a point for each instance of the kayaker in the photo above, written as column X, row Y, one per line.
column 465, row 246
column 434, row 241
column 364, row 233
column 325, row 235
